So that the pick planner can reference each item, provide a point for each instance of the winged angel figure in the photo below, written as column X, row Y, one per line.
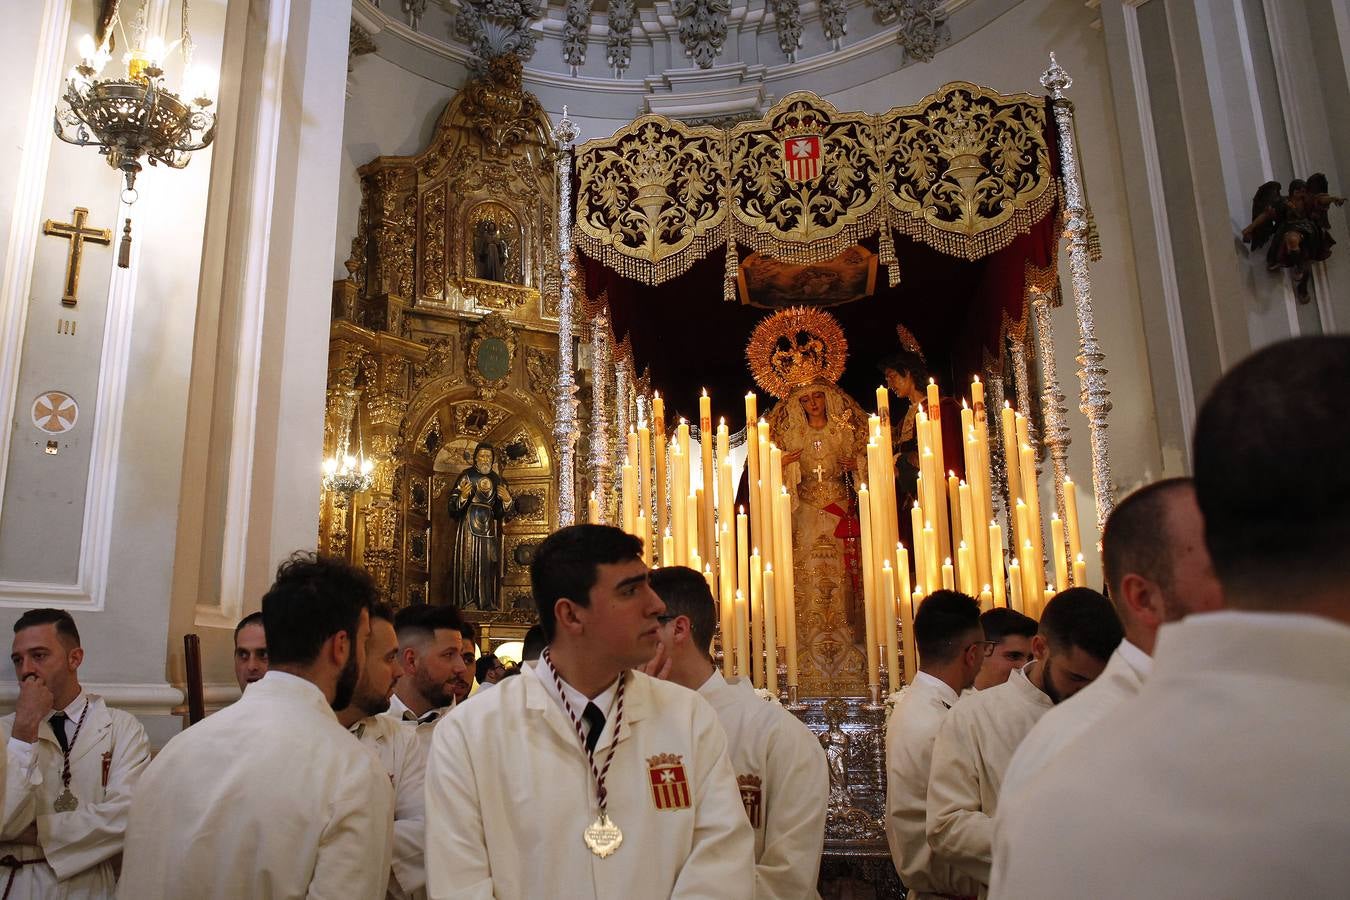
column 1296, row 227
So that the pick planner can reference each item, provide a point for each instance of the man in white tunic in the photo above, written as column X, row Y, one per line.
column 430, row 653
column 72, row 763
column 397, row 747
column 1226, row 776
column 1078, row 633
column 304, row 810
column 593, row 781
column 1158, row 570
column 780, row 766
column 952, row 651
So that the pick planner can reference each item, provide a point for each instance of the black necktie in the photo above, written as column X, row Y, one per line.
column 596, row 719
column 58, row 723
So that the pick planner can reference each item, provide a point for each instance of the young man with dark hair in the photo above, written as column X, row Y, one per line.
column 780, row 766
column 72, row 764
column 306, row 811
column 1157, row 569
column 397, row 748
column 1078, row 633
column 951, row 648
column 430, row 652
column 1009, row 633
column 250, row 650
column 664, row 816
column 1226, row 776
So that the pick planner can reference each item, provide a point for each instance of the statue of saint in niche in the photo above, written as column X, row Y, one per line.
column 479, row 502
column 491, row 253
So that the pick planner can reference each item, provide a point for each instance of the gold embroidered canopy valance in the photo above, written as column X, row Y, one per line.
column 965, row 170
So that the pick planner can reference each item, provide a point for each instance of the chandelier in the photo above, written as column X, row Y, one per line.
column 343, row 473
column 134, row 115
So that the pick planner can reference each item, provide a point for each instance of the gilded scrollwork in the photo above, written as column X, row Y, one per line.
column 492, row 355
column 650, row 200
column 433, row 243
column 967, row 169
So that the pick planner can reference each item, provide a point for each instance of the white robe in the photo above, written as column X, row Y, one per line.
column 268, row 798
column 785, row 786
column 974, row 745
column 1121, row 679
column 1227, row 776
column 507, row 822
column 422, row 726
column 80, row 846
column 910, row 733
column 403, row 755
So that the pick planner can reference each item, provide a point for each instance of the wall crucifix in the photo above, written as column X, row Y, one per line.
column 77, row 233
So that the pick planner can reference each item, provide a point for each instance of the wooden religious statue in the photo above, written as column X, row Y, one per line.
column 479, row 502
column 1295, row 225
column 491, row 252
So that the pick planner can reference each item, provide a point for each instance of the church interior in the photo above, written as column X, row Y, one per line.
column 413, row 283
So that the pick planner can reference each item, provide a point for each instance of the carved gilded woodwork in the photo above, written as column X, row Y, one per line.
column 965, row 170
column 492, row 355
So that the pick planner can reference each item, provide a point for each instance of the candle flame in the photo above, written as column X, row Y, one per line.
column 885, row 565
column 1078, row 558
column 1007, row 405
column 963, row 403
column 768, row 568
column 705, row 392
column 948, row 562
column 963, row 546
column 740, row 510
column 976, row 381
column 721, row 421
column 656, row 395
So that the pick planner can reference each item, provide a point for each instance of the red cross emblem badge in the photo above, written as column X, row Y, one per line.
column 801, row 157
column 670, row 786
column 752, row 794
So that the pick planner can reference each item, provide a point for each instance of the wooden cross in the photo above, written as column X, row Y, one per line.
column 77, row 234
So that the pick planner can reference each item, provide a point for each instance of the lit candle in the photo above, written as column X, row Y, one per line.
column 933, row 575
column 986, row 599
column 1057, row 549
column 708, row 577
column 916, row 535
column 756, row 619
column 742, row 556
column 678, row 491
column 1071, row 519
column 1015, row 585
column 953, row 502
column 644, row 467
column 643, row 533
column 668, row 549
column 691, row 530
column 770, row 632
column 869, row 599
column 708, row 474
column 659, row 446
column 996, row 563
column 907, row 605
column 965, row 563
column 788, row 586
column 940, row 457
column 948, row 575
column 593, row 510
column 1079, row 571
column 695, row 561
column 1033, row 498
column 1010, row 461
column 630, row 505
column 742, row 636
column 969, row 535
column 726, row 572
column 752, row 472
column 1032, row 577
column 888, row 625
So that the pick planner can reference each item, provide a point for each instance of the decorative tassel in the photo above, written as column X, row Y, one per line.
column 124, row 249
column 729, row 277
column 886, row 254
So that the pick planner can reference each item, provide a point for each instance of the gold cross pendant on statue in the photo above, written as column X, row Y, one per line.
column 77, row 234
column 820, row 473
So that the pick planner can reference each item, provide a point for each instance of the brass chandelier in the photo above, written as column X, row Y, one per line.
column 135, row 115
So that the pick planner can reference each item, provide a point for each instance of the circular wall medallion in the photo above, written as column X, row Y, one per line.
column 55, row 412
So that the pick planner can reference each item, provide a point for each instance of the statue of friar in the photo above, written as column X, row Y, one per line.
column 480, row 502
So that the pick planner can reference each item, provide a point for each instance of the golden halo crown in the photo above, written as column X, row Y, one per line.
column 796, row 346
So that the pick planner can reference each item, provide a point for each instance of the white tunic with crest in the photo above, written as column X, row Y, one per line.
column 507, row 821
column 785, row 785
column 1122, row 679
column 1226, row 777
column 404, row 756
column 974, row 745
column 269, row 798
column 910, row 733
column 80, row 846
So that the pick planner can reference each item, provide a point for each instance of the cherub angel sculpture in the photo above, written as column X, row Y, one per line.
column 1296, row 227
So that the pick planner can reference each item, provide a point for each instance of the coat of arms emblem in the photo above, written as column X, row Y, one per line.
column 670, row 786
column 801, row 157
column 752, row 794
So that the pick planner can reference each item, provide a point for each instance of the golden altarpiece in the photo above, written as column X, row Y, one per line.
column 445, row 336
column 456, row 325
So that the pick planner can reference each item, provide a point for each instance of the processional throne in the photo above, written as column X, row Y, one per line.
column 944, row 217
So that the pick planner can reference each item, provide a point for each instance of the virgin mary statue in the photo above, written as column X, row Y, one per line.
column 823, row 434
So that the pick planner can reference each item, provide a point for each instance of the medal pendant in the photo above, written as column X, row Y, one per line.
column 66, row 802
column 603, row 837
